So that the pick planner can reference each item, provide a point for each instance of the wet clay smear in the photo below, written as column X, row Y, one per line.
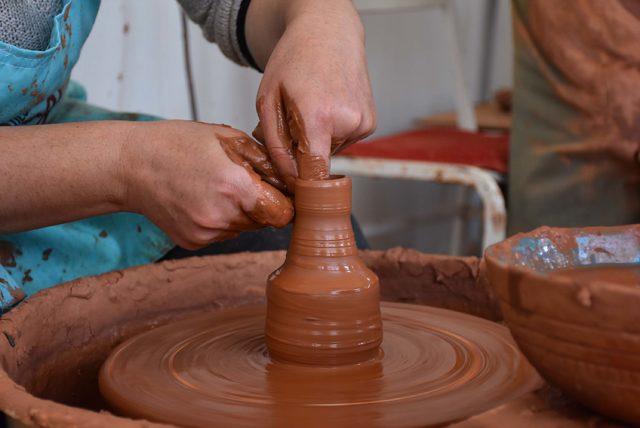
column 622, row 273
column 434, row 366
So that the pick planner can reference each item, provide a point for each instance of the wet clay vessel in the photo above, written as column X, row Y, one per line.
column 323, row 303
column 583, row 335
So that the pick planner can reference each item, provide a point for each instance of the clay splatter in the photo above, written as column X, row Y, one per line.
column 27, row 276
column 8, row 254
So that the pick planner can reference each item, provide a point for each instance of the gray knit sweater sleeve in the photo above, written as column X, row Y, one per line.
column 219, row 22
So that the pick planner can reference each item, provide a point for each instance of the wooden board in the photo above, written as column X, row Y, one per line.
column 488, row 115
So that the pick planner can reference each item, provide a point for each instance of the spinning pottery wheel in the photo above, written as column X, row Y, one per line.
column 436, row 366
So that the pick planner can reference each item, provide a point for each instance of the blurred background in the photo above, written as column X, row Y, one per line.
column 426, row 58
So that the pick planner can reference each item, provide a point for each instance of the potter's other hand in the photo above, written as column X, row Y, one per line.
column 315, row 96
column 201, row 183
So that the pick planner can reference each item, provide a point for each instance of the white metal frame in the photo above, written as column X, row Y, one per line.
column 484, row 182
column 465, row 114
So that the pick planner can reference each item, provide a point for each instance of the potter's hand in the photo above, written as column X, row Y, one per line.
column 315, row 96
column 201, row 183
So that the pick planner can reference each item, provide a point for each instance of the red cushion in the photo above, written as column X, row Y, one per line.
column 448, row 145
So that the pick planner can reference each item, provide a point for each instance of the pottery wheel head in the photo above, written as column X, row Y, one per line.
column 435, row 366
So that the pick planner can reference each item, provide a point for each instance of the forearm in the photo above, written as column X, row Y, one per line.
column 267, row 21
column 51, row 174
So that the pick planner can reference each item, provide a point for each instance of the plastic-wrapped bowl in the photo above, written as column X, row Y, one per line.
column 582, row 335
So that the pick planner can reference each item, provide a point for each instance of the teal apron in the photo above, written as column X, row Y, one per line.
column 35, row 89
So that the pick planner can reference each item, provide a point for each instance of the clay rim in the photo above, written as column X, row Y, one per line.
column 495, row 254
column 332, row 181
column 332, row 195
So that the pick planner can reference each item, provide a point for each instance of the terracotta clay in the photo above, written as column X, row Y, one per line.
column 292, row 135
column 545, row 408
column 243, row 149
column 317, row 359
column 458, row 283
column 53, row 345
column 271, row 207
column 310, row 166
column 580, row 328
column 323, row 303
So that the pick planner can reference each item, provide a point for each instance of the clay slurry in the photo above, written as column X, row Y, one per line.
column 434, row 366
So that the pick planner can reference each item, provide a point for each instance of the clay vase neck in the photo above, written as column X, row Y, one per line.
column 323, row 303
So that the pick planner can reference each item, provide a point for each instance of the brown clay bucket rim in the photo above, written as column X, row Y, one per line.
column 492, row 254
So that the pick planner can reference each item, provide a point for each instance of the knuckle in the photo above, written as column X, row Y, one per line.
column 187, row 244
column 203, row 219
column 368, row 125
column 322, row 117
column 350, row 118
column 206, row 222
column 196, row 237
column 354, row 119
column 202, row 238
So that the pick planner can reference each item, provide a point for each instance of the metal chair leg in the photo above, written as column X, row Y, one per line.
column 465, row 113
column 493, row 207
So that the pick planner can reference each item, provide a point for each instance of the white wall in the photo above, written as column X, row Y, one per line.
column 133, row 61
column 410, row 65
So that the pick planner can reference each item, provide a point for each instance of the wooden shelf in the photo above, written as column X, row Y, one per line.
column 488, row 115
column 382, row 6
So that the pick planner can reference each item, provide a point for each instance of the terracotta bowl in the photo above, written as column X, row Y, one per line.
column 52, row 345
column 583, row 337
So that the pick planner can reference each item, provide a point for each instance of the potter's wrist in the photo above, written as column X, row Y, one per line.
column 266, row 23
column 330, row 14
column 132, row 144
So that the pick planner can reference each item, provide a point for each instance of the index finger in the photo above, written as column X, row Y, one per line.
column 311, row 164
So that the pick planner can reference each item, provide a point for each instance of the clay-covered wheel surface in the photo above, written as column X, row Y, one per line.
column 435, row 366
